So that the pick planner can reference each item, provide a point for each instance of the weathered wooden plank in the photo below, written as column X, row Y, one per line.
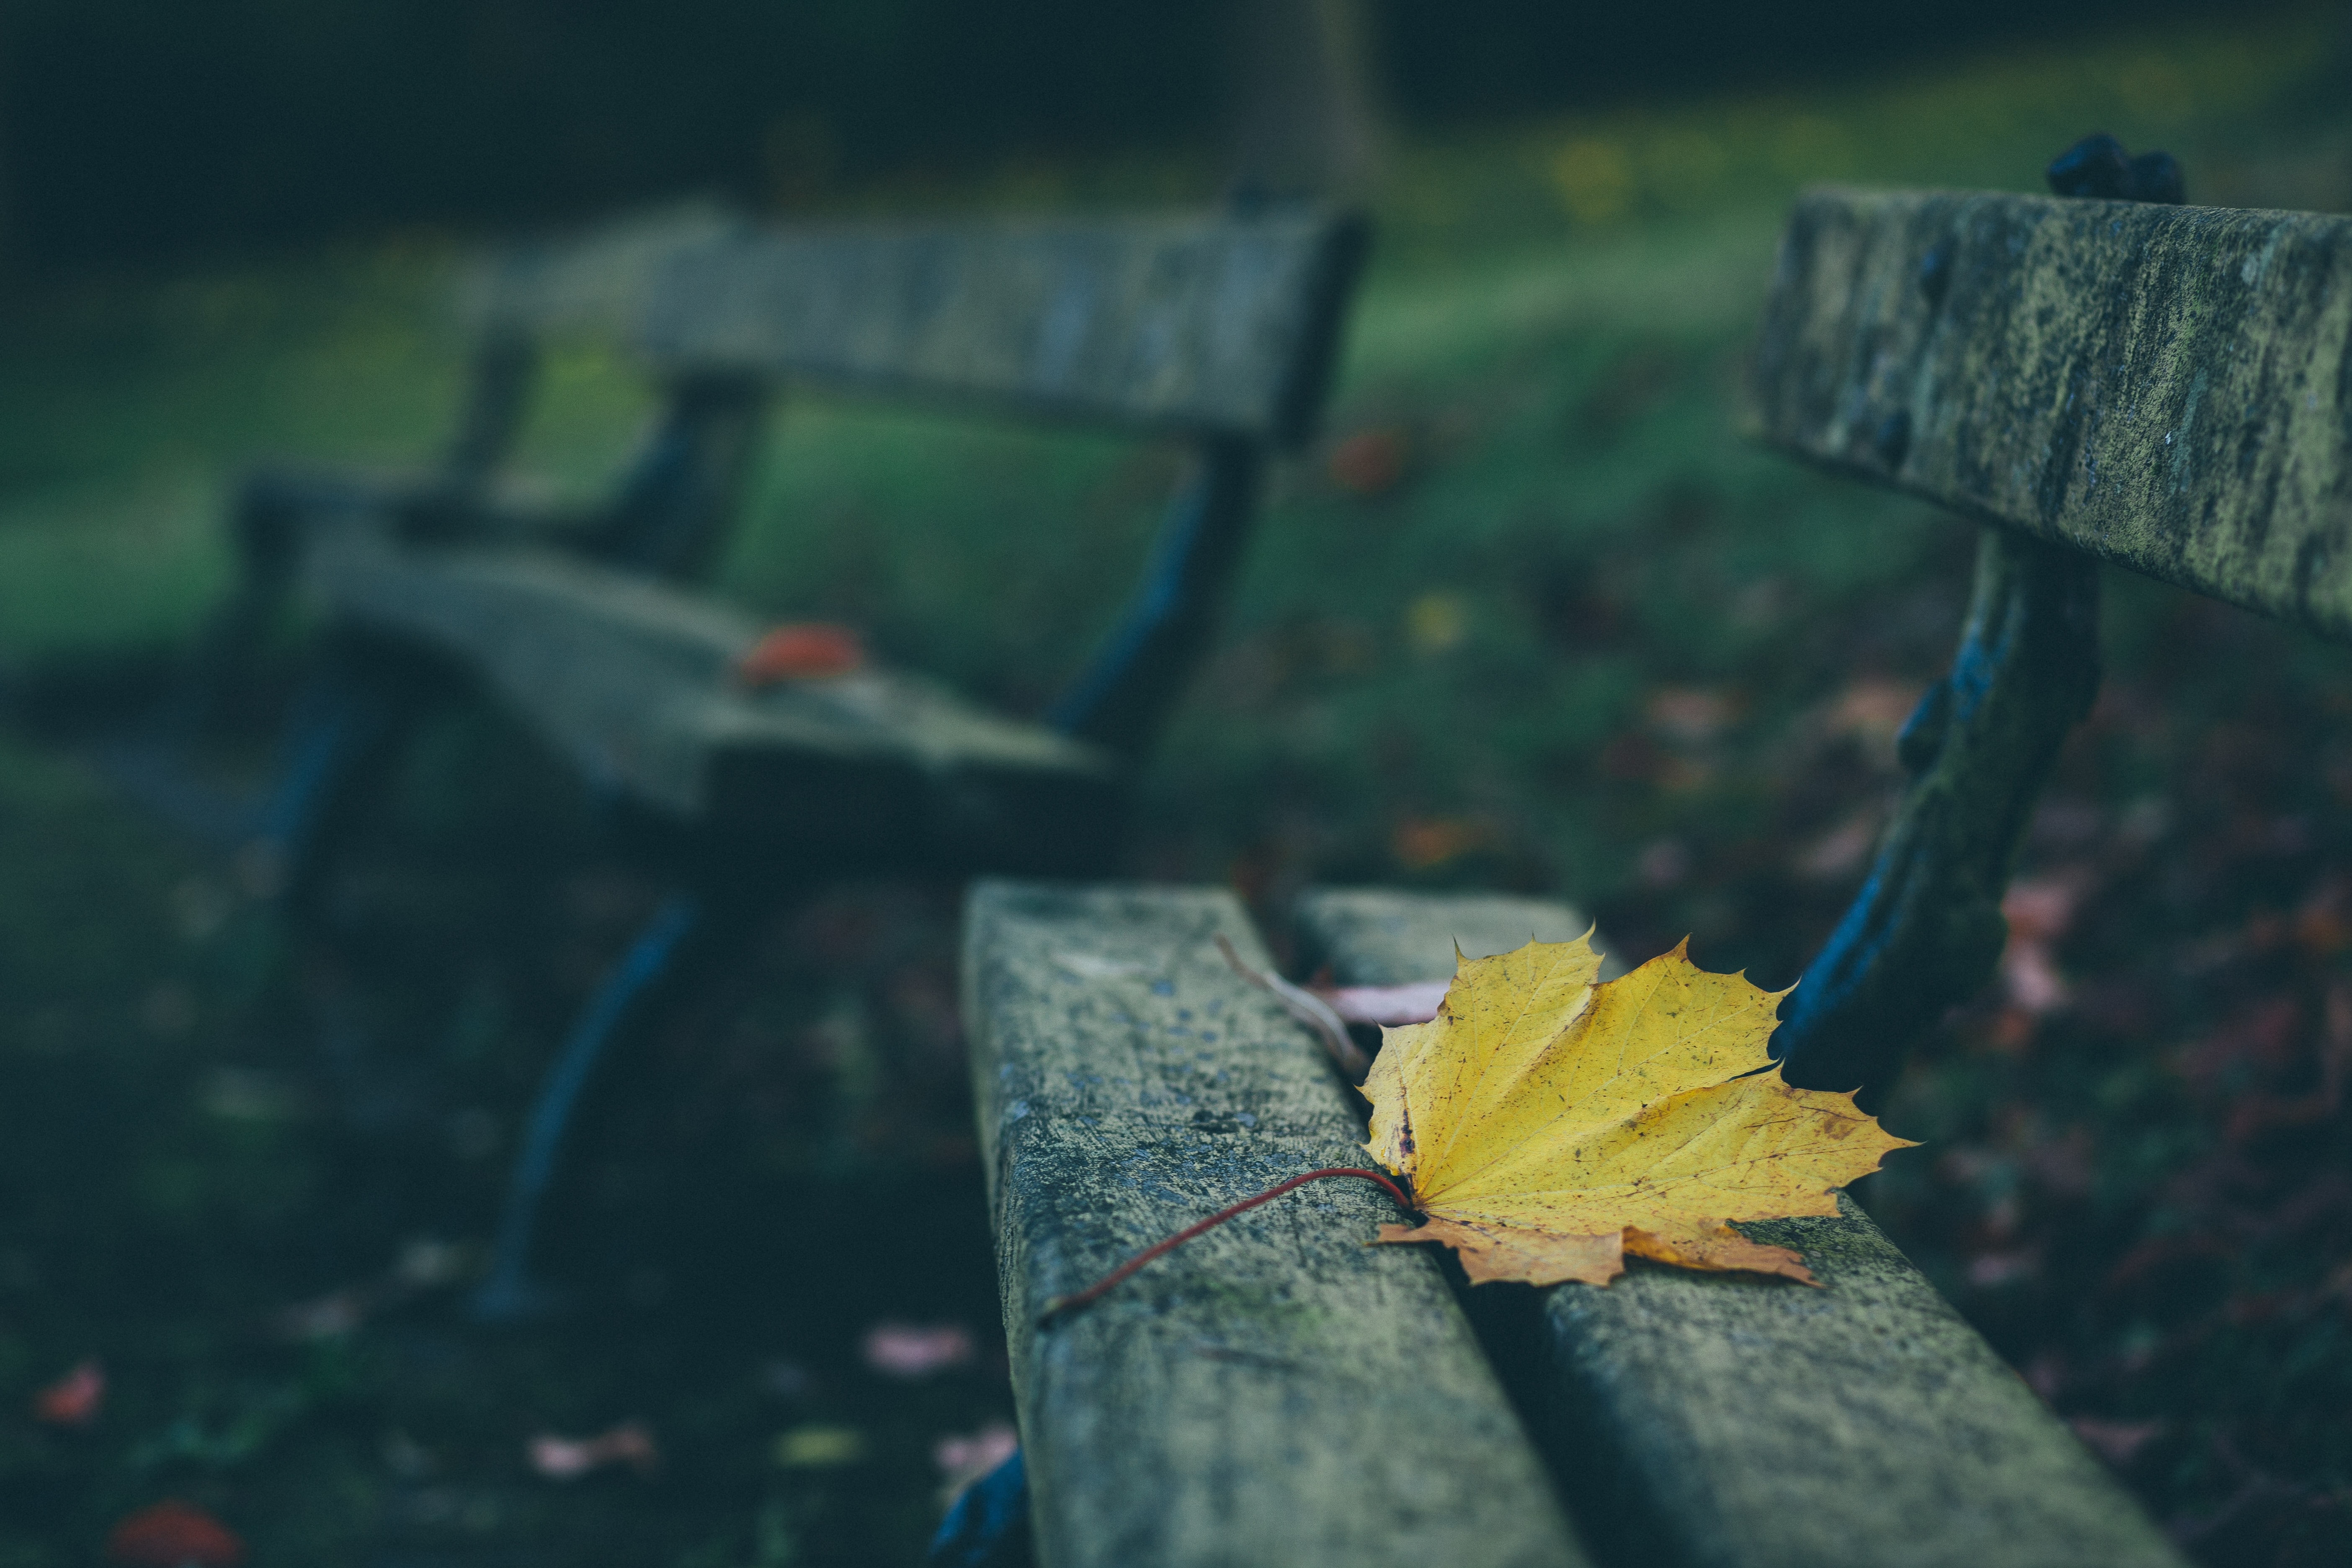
column 1744, row 1423
column 1213, row 323
column 2170, row 388
column 592, row 285
column 634, row 680
column 1278, row 1393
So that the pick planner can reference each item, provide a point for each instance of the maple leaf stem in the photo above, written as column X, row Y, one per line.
column 1062, row 1306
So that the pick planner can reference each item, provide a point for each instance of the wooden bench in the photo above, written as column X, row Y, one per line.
column 1218, row 332
column 2165, row 387
column 1281, row 1393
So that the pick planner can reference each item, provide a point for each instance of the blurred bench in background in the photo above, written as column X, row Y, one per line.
column 754, row 764
column 2115, row 378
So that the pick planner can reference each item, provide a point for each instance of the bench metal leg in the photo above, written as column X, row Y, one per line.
column 1125, row 695
column 1751, row 1423
column 1927, row 930
column 347, row 723
column 620, row 1000
column 989, row 1525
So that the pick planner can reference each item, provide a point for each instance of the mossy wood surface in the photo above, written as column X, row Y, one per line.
column 2169, row 388
column 635, row 682
column 1746, row 1423
column 1211, row 324
column 1277, row 1391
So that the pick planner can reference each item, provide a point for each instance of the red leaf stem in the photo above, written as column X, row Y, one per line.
column 1062, row 1306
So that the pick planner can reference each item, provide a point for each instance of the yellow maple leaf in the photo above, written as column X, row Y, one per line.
column 1549, row 1125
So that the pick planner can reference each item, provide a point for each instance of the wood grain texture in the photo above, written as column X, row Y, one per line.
column 1210, row 324
column 1276, row 1392
column 2169, row 388
column 634, row 681
column 1747, row 1423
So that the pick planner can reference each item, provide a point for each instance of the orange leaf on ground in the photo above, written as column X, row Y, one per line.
column 1370, row 462
column 801, row 651
column 75, row 1399
column 173, row 1534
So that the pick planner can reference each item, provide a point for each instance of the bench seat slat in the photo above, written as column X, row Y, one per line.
column 1276, row 1392
column 1745, row 1423
column 2084, row 371
column 632, row 679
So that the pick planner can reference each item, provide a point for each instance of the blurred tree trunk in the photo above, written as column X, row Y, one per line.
column 1305, row 116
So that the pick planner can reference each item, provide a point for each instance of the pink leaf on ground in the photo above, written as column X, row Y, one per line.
column 2117, row 1442
column 964, row 1459
column 569, row 1458
column 1386, row 1005
column 75, row 1399
column 916, row 1349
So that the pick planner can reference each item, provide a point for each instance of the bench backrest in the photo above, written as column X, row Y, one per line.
column 2165, row 387
column 1223, row 329
column 2169, row 388
column 1211, row 323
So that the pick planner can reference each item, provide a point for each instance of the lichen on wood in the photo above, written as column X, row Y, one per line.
column 2167, row 388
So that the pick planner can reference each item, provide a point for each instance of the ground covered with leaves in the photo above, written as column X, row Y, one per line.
column 1531, row 618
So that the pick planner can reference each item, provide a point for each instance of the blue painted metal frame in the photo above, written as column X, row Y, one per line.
column 1123, row 698
column 1927, row 930
column 510, row 1292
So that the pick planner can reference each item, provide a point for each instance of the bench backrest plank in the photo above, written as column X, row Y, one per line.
column 1211, row 324
column 1747, row 1423
column 2088, row 372
column 1276, row 1392
column 1215, row 324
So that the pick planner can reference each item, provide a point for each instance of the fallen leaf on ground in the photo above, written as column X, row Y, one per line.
column 75, row 1399
column 964, row 1459
column 1691, row 715
column 569, row 1458
column 820, row 1447
column 804, row 651
column 2117, row 1442
column 1549, row 1125
column 1386, row 1005
column 916, row 1349
column 1369, row 463
column 1421, row 842
column 174, row 1535
column 327, row 1317
column 423, row 1264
